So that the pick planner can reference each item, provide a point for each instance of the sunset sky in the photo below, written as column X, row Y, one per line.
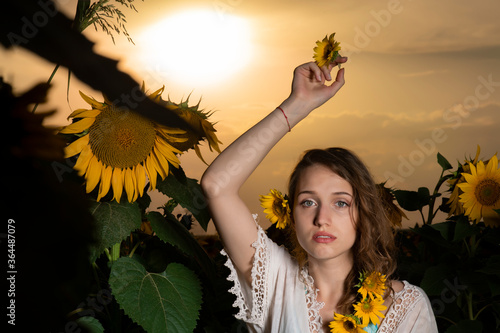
column 423, row 76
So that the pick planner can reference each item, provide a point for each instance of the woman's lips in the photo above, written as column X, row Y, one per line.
column 323, row 237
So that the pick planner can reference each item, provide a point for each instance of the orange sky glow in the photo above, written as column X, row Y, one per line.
column 423, row 77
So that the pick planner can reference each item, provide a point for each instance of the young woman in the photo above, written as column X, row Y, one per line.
column 336, row 219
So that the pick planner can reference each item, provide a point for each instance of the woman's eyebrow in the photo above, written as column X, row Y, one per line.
column 335, row 193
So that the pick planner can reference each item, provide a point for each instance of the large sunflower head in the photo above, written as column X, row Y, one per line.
column 481, row 192
column 372, row 285
column 370, row 310
column 118, row 148
column 277, row 208
column 203, row 129
column 345, row 324
column 326, row 51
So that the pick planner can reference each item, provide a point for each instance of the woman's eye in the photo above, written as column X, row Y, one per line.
column 341, row 204
column 307, row 203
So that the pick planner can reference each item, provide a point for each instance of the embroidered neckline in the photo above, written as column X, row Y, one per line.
column 313, row 306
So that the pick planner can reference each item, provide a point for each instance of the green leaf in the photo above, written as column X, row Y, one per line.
column 433, row 282
column 464, row 229
column 187, row 192
column 173, row 232
column 114, row 222
column 408, row 200
column 443, row 162
column 434, row 235
column 90, row 324
column 445, row 229
column 466, row 326
column 411, row 200
column 160, row 302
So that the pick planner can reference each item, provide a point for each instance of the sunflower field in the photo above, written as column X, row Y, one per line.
column 456, row 260
column 96, row 257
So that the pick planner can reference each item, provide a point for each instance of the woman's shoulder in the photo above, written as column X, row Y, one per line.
column 405, row 294
column 397, row 286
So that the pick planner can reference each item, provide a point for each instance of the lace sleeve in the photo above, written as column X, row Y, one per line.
column 256, row 295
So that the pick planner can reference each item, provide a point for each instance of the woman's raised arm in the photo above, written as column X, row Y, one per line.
column 225, row 176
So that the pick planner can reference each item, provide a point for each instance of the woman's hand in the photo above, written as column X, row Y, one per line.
column 309, row 88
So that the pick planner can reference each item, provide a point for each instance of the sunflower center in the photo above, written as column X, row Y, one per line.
column 487, row 192
column 367, row 307
column 278, row 208
column 348, row 325
column 121, row 139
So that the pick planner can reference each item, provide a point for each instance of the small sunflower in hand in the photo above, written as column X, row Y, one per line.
column 326, row 51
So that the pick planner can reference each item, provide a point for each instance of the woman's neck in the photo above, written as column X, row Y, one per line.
column 329, row 277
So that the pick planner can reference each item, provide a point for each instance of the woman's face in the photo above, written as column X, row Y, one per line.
column 325, row 215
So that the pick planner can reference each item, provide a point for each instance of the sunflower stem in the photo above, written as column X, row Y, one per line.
column 106, row 250
column 477, row 314
column 133, row 249
column 115, row 252
column 48, row 81
column 469, row 305
column 434, row 195
column 447, row 319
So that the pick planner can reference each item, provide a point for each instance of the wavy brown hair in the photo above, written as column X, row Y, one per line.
column 374, row 248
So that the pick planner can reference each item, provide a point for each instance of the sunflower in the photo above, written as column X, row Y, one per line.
column 393, row 212
column 276, row 207
column 372, row 285
column 345, row 324
column 370, row 310
column 456, row 207
column 326, row 51
column 198, row 119
column 118, row 148
column 482, row 192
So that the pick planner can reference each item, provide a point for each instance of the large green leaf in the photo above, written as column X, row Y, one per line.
column 436, row 280
column 160, row 302
column 187, row 192
column 114, row 222
column 173, row 232
column 411, row 200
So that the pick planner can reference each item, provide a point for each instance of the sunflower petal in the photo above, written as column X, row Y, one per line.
column 93, row 174
column 161, row 163
column 492, row 165
column 129, row 180
column 92, row 102
column 78, row 126
column 83, row 161
column 198, row 153
column 167, row 151
column 481, row 169
column 106, row 174
column 150, row 169
column 85, row 113
column 140, row 176
column 76, row 146
column 117, row 184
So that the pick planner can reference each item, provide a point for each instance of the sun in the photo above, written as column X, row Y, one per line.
column 196, row 47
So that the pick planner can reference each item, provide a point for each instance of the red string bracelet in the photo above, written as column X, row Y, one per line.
column 289, row 128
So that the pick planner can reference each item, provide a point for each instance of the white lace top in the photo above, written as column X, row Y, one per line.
column 282, row 297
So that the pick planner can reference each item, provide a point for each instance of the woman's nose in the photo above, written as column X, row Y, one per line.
column 323, row 216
